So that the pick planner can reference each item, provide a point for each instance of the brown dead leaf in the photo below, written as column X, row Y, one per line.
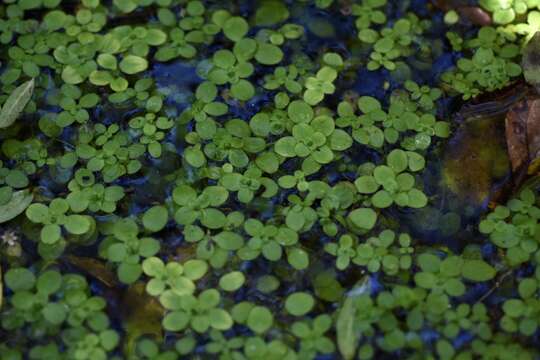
column 531, row 61
column 523, row 135
column 142, row 314
column 533, row 129
column 476, row 159
column 516, row 135
column 94, row 268
column 474, row 14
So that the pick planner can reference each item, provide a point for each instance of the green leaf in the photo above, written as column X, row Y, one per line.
column 195, row 269
column 78, row 224
column 382, row 199
column 268, row 54
column 220, row 319
column 398, row 160
column 175, row 321
column 235, row 28
column 129, row 273
column 153, row 266
column 55, row 313
column 242, row 90
column 298, row 258
column 49, row 282
column 260, row 319
column 366, row 184
column 51, row 233
column 347, row 335
column 132, row 64
column 228, row 240
column 299, row 303
column 232, row 281
column 364, row 218
column 16, row 103
column 155, row 218
column 20, row 200
column 478, row 270
column 19, row 279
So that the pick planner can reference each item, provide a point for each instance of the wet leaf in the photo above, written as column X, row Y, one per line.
column 271, row 12
column 20, row 200
column 531, row 61
column 15, row 103
column 142, row 316
column 348, row 334
column 95, row 268
column 523, row 134
column 474, row 14
column 475, row 159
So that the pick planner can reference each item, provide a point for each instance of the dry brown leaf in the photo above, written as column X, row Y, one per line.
column 523, row 134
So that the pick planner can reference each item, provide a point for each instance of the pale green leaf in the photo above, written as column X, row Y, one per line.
column 15, row 103
column 20, row 200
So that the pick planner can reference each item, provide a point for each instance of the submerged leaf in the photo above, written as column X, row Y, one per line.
column 523, row 134
column 15, row 103
column 347, row 333
column 20, row 200
column 475, row 159
column 531, row 63
column 142, row 315
column 95, row 268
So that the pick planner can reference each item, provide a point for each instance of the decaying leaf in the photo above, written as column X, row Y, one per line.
column 475, row 159
column 523, row 135
column 15, row 103
column 348, row 334
column 474, row 14
column 531, row 61
column 94, row 268
column 20, row 200
column 142, row 315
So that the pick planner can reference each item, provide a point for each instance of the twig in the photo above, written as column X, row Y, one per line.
column 498, row 283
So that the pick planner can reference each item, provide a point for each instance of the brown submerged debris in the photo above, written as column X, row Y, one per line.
column 523, row 120
column 493, row 104
column 523, row 137
column 475, row 159
column 142, row 314
column 531, row 62
column 94, row 268
column 474, row 14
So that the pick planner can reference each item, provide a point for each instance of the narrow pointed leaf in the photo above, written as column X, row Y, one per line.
column 15, row 103
column 348, row 334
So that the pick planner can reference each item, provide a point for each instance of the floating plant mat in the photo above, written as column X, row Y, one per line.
column 269, row 179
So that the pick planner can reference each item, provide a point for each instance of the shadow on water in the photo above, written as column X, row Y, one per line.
column 466, row 176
